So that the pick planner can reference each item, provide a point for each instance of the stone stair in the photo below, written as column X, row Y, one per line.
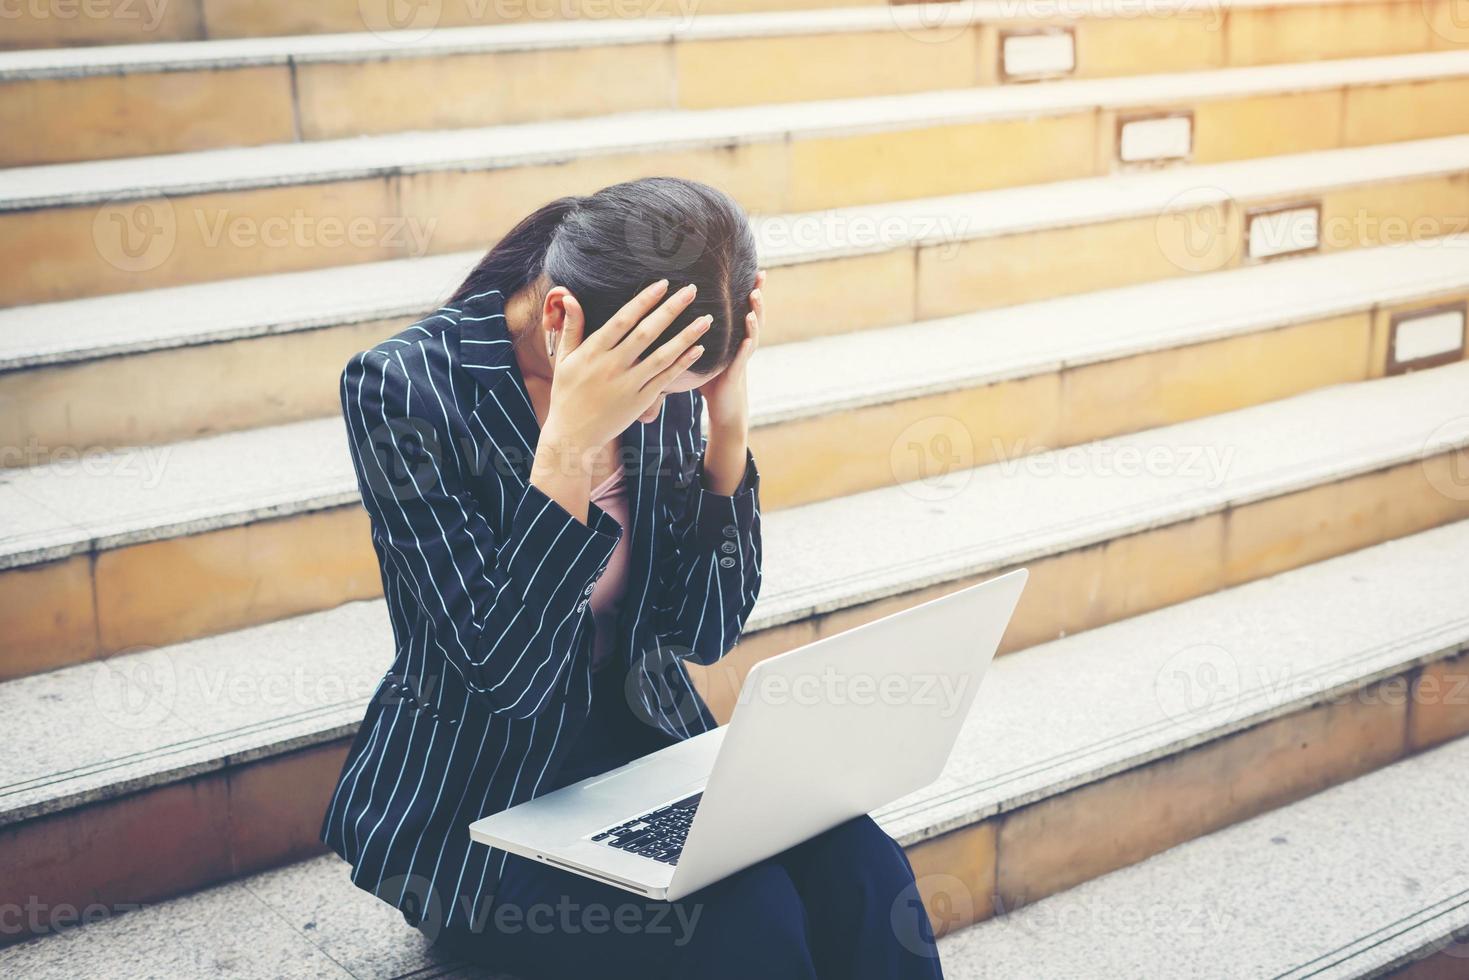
column 1084, row 755
column 251, row 91
column 1178, row 323
column 107, row 226
column 136, row 549
column 1108, row 33
column 1322, row 888
column 211, row 356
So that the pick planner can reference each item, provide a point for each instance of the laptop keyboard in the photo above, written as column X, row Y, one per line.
column 658, row 834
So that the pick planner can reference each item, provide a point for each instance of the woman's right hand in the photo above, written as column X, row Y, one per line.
column 599, row 387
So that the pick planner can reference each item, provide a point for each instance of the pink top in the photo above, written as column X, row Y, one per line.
column 606, row 595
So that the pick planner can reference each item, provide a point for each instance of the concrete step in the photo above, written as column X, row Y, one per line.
column 1040, row 371
column 933, row 257
column 37, row 26
column 79, row 229
column 62, row 105
column 152, row 546
column 1368, row 879
column 1285, row 25
column 194, row 763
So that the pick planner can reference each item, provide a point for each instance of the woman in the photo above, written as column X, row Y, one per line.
column 556, row 537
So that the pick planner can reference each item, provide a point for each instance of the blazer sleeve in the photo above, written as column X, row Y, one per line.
column 710, row 580
column 505, row 612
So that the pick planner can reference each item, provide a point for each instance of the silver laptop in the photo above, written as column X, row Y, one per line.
column 819, row 735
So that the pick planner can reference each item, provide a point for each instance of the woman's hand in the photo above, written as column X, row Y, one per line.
column 599, row 387
column 726, row 394
column 727, row 397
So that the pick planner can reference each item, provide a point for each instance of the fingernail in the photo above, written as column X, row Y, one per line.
column 696, row 350
column 691, row 289
column 661, row 284
column 708, row 319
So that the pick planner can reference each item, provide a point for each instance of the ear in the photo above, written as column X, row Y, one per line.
column 553, row 308
column 560, row 312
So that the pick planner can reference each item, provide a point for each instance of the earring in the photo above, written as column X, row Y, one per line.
column 552, row 338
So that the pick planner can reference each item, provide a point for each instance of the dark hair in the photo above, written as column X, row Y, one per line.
column 607, row 246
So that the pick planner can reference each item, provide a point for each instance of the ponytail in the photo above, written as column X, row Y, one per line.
column 519, row 257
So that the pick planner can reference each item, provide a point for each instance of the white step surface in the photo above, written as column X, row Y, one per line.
column 1353, row 882
column 227, row 309
column 866, row 367
column 232, row 309
column 540, row 35
column 914, row 535
column 1147, row 193
column 974, row 521
column 92, row 182
column 1047, row 719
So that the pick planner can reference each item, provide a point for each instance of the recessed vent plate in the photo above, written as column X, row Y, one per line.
column 1286, row 229
column 1048, row 53
column 1426, row 338
column 1156, row 138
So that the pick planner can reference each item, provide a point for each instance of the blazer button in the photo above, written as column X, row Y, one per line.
column 730, row 531
column 588, row 589
column 581, row 605
column 728, row 547
column 726, row 562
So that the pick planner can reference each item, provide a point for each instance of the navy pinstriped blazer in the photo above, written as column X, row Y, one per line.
column 487, row 582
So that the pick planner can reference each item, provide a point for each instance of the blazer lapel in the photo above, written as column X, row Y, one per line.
column 502, row 409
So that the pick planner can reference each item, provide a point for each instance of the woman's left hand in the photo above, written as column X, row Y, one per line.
column 726, row 394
